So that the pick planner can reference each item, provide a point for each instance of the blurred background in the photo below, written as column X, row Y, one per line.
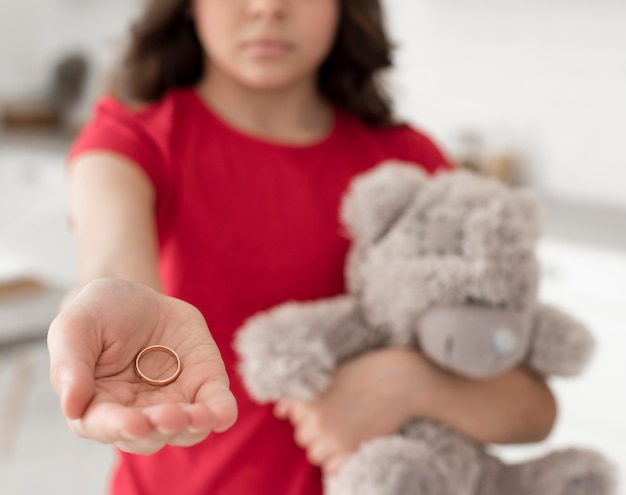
column 529, row 92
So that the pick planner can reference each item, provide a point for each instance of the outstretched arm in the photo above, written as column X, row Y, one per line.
column 115, row 310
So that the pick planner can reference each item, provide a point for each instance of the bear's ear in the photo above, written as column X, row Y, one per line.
column 375, row 199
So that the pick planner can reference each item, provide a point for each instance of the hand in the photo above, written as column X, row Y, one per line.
column 93, row 343
column 370, row 396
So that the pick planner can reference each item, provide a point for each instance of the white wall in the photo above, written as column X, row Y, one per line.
column 546, row 78
column 35, row 33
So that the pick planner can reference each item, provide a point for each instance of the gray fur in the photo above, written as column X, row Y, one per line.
column 565, row 472
column 394, row 465
column 561, row 346
column 293, row 349
column 375, row 200
column 421, row 245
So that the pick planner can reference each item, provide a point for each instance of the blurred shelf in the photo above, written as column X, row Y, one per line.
column 26, row 310
column 591, row 224
column 57, row 140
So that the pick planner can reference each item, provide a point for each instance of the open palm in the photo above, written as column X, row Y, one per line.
column 93, row 344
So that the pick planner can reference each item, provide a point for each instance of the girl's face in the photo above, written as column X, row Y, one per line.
column 266, row 44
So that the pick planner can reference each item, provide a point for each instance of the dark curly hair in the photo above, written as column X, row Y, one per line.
column 164, row 52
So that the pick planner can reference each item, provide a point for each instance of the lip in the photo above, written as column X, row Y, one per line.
column 267, row 47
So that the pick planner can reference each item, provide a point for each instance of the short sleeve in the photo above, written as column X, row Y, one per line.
column 117, row 129
column 409, row 144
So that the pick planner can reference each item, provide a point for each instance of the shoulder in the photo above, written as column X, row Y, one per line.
column 403, row 142
column 153, row 118
column 142, row 134
column 135, row 129
column 408, row 143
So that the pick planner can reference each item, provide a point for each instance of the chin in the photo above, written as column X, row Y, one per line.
column 268, row 81
column 268, row 85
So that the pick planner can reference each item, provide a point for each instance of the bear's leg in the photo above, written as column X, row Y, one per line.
column 389, row 466
column 426, row 459
column 565, row 472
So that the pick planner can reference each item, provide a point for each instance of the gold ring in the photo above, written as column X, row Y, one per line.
column 151, row 381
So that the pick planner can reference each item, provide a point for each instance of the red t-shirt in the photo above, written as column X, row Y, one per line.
column 243, row 224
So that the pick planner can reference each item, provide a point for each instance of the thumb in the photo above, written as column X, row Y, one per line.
column 73, row 351
column 75, row 387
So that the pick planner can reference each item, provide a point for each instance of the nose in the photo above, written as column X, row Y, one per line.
column 268, row 8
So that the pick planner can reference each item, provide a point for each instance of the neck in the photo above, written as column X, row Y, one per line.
column 296, row 114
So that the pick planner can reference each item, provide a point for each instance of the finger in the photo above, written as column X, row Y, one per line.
column 187, row 439
column 110, row 422
column 74, row 350
column 156, row 441
column 297, row 411
column 224, row 408
column 305, row 434
column 201, row 419
column 333, row 463
column 320, row 450
column 75, row 386
column 167, row 420
column 181, row 425
column 281, row 409
column 216, row 396
column 143, row 446
column 200, row 422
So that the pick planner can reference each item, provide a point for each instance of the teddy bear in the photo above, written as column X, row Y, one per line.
column 445, row 264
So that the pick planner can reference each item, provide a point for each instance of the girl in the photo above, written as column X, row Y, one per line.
column 207, row 189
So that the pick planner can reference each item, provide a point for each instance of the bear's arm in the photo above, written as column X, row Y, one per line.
column 292, row 350
column 560, row 345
